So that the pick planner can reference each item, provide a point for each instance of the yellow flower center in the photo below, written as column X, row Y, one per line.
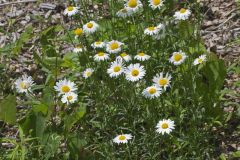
column 177, row 57
column 78, row 31
column 122, row 138
column 152, row 90
column 65, row 89
column 116, row 69
column 89, row 74
column 123, row 54
column 70, row 8
column 98, row 42
column 89, row 25
column 69, row 98
column 132, row 3
column 200, row 60
column 183, row 10
column 24, row 85
column 114, row 46
column 151, row 28
column 135, row 72
column 164, row 125
column 141, row 54
column 163, row 82
column 156, row 2
column 100, row 54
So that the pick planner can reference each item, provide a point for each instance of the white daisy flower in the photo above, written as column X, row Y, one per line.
column 133, row 5
column 123, row 138
column 183, row 14
column 24, row 84
column 88, row 73
column 142, row 56
column 154, row 4
column 65, row 86
column 152, row 92
column 165, row 126
column 90, row 27
column 162, row 81
column 70, row 11
column 125, row 57
column 125, row 12
column 114, row 46
column 116, row 68
column 200, row 59
column 98, row 44
column 101, row 56
column 151, row 31
column 178, row 58
column 161, row 32
column 78, row 48
column 69, row 98
column 135, row 72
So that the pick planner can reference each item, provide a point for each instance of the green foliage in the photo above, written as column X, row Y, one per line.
column 106, row 107
column 8, row 109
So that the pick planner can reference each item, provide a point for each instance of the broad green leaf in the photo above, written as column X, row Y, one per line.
column 70, row 120
column 33, row 124
column 236, row 154
column 222, row 156
column 8, row 109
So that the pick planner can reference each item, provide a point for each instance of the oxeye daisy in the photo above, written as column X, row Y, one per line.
column 65, row 86
column 178, row 58
column 69, row 98
column 125, row 12
column 152, row 92
column 125, row 57
column 151, row 31
column 183, row 14
column 135, row 72
column 71, row 10
column 98, row 44
column 114, row 46
column 116, row 68
column 133, row 5
column 154, row 4
column 162, row 81
column 142, row 56
column 101, row 56
column 122, row 138
column 161, row 32
column 24, row 84
column 78, row 48
column 200, row 59
column 90, row 27
column 165, row 126
column 88, row 73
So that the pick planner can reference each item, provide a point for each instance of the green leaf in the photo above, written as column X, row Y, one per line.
column 75, row 145
column 8, row 109
column 24, row 38
column 236, row 154
column 33, row 124
column 70, row 120
column 41, row 108
column 222, row 156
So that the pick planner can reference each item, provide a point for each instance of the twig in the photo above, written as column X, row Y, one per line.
column 24, row 1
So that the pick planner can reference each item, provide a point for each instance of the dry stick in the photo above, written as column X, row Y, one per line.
column 25, row 1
